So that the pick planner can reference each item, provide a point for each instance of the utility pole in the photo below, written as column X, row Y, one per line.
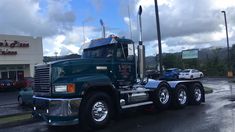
column 56, row 53
column 83, row 30
column 129, row 20
column 159, row 37
column 228, row 53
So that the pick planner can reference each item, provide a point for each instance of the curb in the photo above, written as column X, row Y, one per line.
column 208, row 90
column 17, row 114
column 17, row 122
column 232, row 81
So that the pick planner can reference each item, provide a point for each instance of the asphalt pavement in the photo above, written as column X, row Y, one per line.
column 8, row 97
column 217, row 114
column 9, row 103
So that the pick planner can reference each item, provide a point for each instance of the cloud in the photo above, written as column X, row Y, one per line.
column 183, row 22
column 98, row 4
column 53, row 21
column 70, row 42
column 26, row 17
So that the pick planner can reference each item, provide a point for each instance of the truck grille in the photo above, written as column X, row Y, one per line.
column 42, row 80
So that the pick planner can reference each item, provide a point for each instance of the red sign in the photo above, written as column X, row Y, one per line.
column 13, row 44
column 8, row 52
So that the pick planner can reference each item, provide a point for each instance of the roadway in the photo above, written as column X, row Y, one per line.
column 217, row 114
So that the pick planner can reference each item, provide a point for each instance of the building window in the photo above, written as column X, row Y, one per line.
column 4, row 75
column 12, row 75
column 20, row 75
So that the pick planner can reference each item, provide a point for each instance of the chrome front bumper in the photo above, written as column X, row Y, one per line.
column 57, row 111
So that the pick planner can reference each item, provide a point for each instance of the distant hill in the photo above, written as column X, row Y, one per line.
column 211, row 60
column 203, row 56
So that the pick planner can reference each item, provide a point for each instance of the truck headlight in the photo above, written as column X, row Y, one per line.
column 69, row 88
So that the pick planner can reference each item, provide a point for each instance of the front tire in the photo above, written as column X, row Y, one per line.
column 20, row 101
column 201, row 76
column 191, row 77
column 162, row 97
column 96, row 111
column 180, row 96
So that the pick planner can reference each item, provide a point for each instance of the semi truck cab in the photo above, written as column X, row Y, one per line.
column 91, row 90
column 108, row 79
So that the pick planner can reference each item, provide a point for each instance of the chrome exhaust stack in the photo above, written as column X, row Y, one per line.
column 103, row 28
column 141, row 50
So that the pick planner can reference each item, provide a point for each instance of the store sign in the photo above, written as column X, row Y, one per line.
column 190, row 54
column 6, row 52
column 11, row 45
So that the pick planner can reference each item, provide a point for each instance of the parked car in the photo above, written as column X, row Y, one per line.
column 25, row 96
column 190, row 74
column 153, row 74
column 6, row 84
column 172, row 73
column 26, row 82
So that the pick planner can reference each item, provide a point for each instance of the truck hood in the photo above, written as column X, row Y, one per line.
column 79, row 61
column 79, row 67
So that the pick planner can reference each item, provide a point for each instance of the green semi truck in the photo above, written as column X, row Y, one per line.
column 108, row 79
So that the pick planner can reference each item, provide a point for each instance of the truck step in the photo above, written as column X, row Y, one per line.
column 135, row 91
column 136, row 105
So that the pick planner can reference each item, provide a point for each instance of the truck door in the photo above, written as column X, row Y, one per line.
column 124, row 65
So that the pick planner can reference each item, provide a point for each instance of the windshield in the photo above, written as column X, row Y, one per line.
column 125, row 51
column 99, row 52
column 185, row 71
column 168, row 71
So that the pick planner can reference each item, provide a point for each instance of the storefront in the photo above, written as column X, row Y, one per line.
column 18, row 55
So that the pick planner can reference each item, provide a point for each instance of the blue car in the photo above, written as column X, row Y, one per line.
column 172, row 73
column 25, row 96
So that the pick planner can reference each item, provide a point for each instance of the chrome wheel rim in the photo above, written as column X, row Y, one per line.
column 99, row 111
column 182, row 97
column 198, row 94
column 164, row 95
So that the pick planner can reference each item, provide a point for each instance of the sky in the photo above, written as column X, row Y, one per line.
column 185, row 24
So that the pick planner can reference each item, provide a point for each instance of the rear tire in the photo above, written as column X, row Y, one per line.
column 96, row 111
column 162, row 97
column 196, row 94
column 180, row 96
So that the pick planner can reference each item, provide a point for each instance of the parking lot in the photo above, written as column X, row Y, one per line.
column 215, row 115
column 9, row 104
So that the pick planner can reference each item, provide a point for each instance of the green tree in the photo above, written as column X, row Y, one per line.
column 216, row 66
column 172, row 60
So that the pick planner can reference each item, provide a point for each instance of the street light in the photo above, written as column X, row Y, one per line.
column 159, row 36
column 83, row 31
column 129, row 15
column 86, row 20
column 226, row 27
column 56, row 53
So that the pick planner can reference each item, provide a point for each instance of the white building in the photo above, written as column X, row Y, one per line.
column 18, row 55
